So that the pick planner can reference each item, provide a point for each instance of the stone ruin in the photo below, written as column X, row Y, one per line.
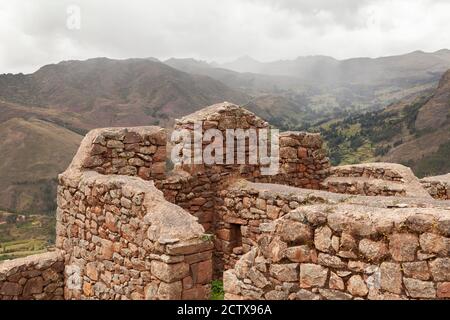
column 130, row 228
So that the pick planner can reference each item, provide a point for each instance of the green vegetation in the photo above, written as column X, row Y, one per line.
column 22, row 238
column 364, row 137
column 217, row 292
column 434, row 164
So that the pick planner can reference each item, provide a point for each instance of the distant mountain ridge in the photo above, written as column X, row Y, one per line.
column 327, row 85
column 331, row 70
column 110, row 92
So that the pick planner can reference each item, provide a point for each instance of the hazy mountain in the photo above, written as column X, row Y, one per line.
column 33, row 152
column 326, row 85
column 409, row 67
column 109, row 92
column 250, row 83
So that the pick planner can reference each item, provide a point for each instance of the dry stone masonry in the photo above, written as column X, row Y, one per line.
column 128, row 151
column 38, row 277
column 121, row 238
column 338, row 250
column 438, row 187
column 130, row 228
column 375, row 179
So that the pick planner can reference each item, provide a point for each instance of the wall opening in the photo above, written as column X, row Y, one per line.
column 235, row 236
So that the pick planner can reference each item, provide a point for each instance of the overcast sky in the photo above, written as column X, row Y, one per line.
column 34, row 33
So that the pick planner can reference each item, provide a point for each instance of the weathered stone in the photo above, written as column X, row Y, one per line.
column 10, row 289
column 274, row 250
column 151, row 291
column 419, row 289
column 372, row 250
column 391, row 277
column 336, row 282
column 169, row 272
column 273, row 212
column 348, row 243
column 403, row 246
column 132, row 137
column 440, row 269
column 261, row 204
column 170, row 291
column 288, row 153
column 420, row 222
column 276, row 295
column 433, row 243
column 443, row 290
column 91, row 271
column 231, row 282
column 202, row 272
column 306, row 295
column 115, row 144
column 312, row 275
column 331, row 261
column 197, row 293
column 417, row 270
column 300, row 254
column 107, row 249
column 33, row 286
column 356, row 286
column 189, row 247
column 284, row 272
column 334, row 294
column 258, row 278
column 296, row 232
column 322, row 238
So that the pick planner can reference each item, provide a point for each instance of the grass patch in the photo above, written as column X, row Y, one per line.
column 217, row 292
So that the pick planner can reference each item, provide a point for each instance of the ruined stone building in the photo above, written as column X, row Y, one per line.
column 128, row 227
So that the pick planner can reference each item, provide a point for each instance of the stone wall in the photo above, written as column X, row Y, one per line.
column 374, row 179
column 303, row 161
column 340, row 251
column 198, row 187
column 127, row 151
column 438, row 187
column 122, row 239
column 36, row 277
column 246, row 206
column 127, row 229
column 195, row 193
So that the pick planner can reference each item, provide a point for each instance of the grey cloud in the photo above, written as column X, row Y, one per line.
column 34, row 33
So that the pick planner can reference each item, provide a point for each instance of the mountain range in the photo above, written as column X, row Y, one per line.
column 45, row 114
